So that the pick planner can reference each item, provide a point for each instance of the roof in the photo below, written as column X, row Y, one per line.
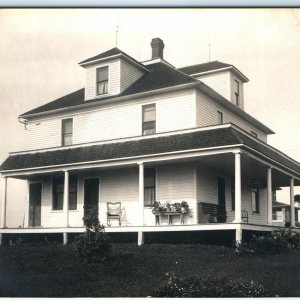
column 277, row 204
column 160, row 76
column 210, row 66
column 201, row 139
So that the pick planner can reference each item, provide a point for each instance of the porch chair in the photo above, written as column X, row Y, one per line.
column 114, row 212
column 245, row 217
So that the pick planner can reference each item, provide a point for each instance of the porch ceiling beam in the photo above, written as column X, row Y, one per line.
column 271, row 164
column 127, row 161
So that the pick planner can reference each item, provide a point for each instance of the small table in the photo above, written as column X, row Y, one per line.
column 170, row 215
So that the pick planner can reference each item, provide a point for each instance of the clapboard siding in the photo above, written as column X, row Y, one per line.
column 113, row 78
column 44, row 134
column 206, row 115
column 220, row 82
column 175, row 183
column 207, row 191
column 232, row 90
column 129, row 74
column 174, row 111
column 120, row 186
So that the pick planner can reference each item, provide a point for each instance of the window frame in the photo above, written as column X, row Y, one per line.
column 253, row 133
column 148, row 123
column 151, row 173
column 237, row 92
column 255, row 200
column 98, row 81
column 59, row 196
column 64, row 134
column 220, row 114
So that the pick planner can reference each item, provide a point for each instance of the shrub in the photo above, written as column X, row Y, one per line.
column 209, row 287
column 93, row 245
column 275, row 242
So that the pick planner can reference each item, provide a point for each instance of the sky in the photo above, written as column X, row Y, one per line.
column 40, row 50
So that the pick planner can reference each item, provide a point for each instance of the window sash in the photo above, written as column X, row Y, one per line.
column 149, row 119
column 149, row 187
column 67, row 132
column 220, row 117
column 102, row 74
column 255, row 200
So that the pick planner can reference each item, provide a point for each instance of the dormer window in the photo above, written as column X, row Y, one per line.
column 237, row 92
column 149, row 117
column 67, row 132
column 102, row 81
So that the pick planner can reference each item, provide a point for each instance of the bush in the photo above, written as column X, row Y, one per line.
column 93, row 245
column 209, row 287
column 275, row 242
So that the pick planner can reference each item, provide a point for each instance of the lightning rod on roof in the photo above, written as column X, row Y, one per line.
column 117, row 30
column 209, row 49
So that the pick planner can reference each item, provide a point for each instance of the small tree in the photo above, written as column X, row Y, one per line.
column 93, row 245
column 297, row 199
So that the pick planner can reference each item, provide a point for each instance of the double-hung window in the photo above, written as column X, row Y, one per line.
column 102, row 81
column 149, row 187
column 220, row 117
column 67, row 132
column 237, row 92
column 149, row 119
column 255, row 199
column 58, row 193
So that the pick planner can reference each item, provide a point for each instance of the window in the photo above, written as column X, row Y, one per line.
column 149, row 119
column 149, row 187
column 102, row 81
column 236, row 92
column 233, row 193
column 67, row 132
column 253, row 133
column 58, row 193
column 255, row 200
column 220, row 117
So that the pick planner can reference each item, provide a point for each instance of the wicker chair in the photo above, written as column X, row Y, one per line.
column 114, row 212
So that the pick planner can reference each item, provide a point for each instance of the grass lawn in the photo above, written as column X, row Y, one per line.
column 55, row 271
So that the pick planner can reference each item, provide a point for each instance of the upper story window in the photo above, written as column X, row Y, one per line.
column 102, row 81
column 237, row 92
column 149, row 119
column 220, row 117
column 67, row 132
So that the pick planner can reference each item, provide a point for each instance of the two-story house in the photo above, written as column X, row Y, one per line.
column 145, row 132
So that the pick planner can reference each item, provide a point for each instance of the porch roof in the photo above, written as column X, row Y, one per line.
column 214, row 137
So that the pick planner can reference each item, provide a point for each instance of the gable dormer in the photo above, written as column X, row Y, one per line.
column 110, row 73
column 225, row 79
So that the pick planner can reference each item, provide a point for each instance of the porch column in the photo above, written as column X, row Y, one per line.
column 238, row 188
column 270, row 195
column 292, row 203
column 141, row 203
column 66, row 204
column 4, row 200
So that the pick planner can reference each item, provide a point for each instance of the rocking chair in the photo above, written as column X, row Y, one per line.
column 113, row 212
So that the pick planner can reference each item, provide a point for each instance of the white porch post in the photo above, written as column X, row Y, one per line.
column 3, row 207
column 270, row 194
column 292, row 204
column 238, row 188
column 141, row 203
column 4, row 200
column 66, row 204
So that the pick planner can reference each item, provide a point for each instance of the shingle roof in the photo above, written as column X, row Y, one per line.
column 210, row 66
column 218, row 137
column 199, row 68
column 160, row 76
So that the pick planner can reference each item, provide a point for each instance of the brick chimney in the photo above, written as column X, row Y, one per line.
column 157, row 48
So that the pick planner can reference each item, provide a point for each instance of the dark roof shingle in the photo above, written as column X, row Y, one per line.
column 199, row 68
column 219, row 137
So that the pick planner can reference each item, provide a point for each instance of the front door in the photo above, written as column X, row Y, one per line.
column 35, row 196
column 221, row 194
column 91, row 195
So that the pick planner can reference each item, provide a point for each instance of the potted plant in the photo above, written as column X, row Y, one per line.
column 184, row 207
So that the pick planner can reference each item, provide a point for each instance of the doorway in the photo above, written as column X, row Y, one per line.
column 91, row 195
column 35, row 198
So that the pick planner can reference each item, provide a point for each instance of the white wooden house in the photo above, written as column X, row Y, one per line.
column 140, row 132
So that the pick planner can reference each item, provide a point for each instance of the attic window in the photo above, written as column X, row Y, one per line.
column 220, row 117
column 237, row 92
column 102, row 81
column 149, row 119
